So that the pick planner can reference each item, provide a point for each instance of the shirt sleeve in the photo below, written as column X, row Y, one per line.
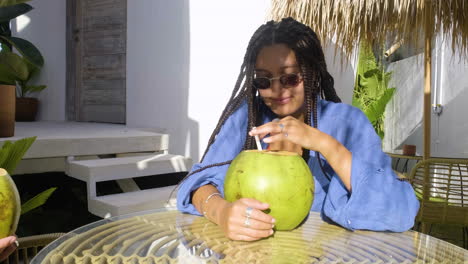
column 378, row 200
column 226, row 146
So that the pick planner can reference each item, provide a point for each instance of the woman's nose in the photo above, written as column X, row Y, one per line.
column 276, row 85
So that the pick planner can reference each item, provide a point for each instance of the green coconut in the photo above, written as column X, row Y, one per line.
column 10, row 205
column 280, row 178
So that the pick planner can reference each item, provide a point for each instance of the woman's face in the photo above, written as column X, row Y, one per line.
column 272, row 62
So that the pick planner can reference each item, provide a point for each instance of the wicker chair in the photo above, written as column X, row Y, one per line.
column 29, row 246
column 442, row 187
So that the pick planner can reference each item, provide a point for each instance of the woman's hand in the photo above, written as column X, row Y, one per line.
column 244, row 220
column 7, row 246
column 290, row 129
column 240, row 220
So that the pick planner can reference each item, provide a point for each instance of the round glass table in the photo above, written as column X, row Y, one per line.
column 168, row 236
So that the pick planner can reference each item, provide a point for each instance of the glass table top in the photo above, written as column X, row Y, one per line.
column 168, row 236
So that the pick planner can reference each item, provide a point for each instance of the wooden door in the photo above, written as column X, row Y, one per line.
column 96, row 60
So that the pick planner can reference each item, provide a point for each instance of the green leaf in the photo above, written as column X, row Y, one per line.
column 27, row 49
column 13, row 65
column 11, row 9
column 12, row 153
column 6, row 77
column 357, row 102
column 366, row 60
column 5, row 29
column 372, row 86
column 4, row 153
column 37, row 200
column 4, row 48
column 377, row 109
column 33, row 88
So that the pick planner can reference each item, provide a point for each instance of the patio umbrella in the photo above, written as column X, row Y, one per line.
column 350, row 21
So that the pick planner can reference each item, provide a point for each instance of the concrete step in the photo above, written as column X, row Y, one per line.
column 123, row 170
column 127, row 167
column 130, row 202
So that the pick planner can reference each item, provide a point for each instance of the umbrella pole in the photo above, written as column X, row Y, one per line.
column 427, row 83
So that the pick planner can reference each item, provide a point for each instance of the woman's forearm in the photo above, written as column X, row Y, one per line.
column 208, row 204
column 339, row 158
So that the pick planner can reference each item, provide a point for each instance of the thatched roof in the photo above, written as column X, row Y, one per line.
column 352, row 20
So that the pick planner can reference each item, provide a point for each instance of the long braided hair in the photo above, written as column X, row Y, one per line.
column 317, row 81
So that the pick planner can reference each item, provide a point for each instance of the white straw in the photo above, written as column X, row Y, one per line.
column 257, row 140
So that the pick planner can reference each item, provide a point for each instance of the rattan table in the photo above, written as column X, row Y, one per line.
column 168, row 236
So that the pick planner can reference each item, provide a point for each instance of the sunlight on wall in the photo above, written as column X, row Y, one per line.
column 22, row 22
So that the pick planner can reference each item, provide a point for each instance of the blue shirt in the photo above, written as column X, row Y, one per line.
column 378, row 201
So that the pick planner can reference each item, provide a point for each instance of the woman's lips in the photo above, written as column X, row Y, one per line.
column 282, row 101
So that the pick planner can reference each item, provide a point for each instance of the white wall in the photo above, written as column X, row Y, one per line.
column 450, row 128
column 403, row 124
column 403, row 114
column 45, row 27
column 183, row 59
column 182, row 62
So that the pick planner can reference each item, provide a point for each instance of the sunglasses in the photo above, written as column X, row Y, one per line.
column 287, row 80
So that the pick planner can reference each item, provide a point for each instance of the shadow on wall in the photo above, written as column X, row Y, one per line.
column 343, row 74
column 158, row 72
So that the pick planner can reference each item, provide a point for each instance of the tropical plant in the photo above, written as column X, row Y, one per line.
column 15, row 69
column 11, row 154
column 24, row 87
column 10, row 9
column 371, row 92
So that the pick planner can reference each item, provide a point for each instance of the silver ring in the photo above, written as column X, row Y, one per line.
column 247, row 222
column 282, row 127
column 248, row 211
column 16, row 243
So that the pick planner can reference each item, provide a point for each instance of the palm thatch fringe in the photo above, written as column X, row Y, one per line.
column 350, row 21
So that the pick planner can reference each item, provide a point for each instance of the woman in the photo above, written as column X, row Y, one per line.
column 285, row 95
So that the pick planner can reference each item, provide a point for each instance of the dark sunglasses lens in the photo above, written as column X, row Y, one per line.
column 261, row 83
column 289, row 80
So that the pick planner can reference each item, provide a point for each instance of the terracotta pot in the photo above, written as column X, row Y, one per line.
column 26, row 109
column 409, row 150
column 7, row 110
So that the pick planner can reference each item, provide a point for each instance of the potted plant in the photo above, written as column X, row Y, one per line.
column 371, row 92
column 15, row 69
column 12, row 69
column 26, row 107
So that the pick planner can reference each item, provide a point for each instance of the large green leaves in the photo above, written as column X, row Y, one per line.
column 26, row 48
column 8, row 11
column 12, row 68
column 37, row 200
column 371, row 92
column 376, row 109
column 12, row 153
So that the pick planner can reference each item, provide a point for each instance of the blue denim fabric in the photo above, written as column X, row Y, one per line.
column 378, row 200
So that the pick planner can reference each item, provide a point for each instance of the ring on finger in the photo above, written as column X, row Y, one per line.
column 248, row 212
column 247, row 222
column 282, row 127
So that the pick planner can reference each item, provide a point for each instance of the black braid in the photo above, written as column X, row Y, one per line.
column 317, row 81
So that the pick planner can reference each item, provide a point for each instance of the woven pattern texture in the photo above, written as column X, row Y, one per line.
column 172, row 237
column 442, row 185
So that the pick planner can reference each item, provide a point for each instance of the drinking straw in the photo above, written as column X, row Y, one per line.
column 257, row 141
